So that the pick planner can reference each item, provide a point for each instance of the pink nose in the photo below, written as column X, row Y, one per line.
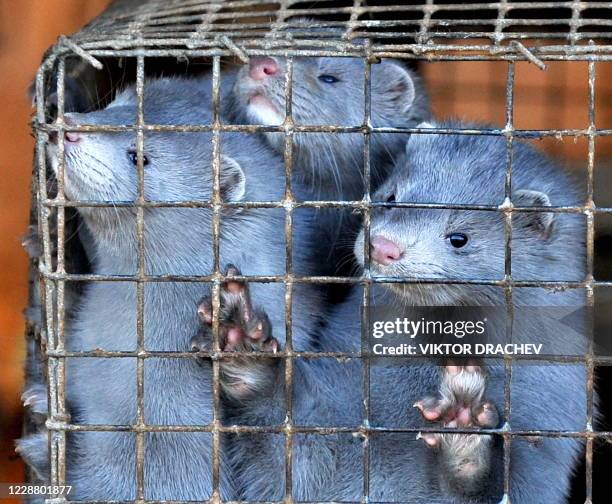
column 262, row 68
column 384, row 251
column 71, row 136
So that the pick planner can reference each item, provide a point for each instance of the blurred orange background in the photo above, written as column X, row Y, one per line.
column 27, row 29
column 556, row 98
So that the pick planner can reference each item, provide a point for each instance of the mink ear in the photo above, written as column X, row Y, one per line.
column 423, row 125
column 540, row 223
column 426, row 125
column 232, row 180
column 393, row 84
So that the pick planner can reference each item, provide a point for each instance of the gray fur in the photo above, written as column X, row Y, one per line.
column 33, row 449
column 466, row 169
column 444, row 169
column 330, row 166
column 101, row 465
column 35, row 398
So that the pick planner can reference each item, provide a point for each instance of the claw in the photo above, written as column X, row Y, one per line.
column 31, row 243
column 231, row 270
column 271, row 345
column 431, row 440
column 199, row 343
column 257, row 333
column 205, row 311
column 429, row 413
column 487, row 415
column 35, row 398
column 235, row 287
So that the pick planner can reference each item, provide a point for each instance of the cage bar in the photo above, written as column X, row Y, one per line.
column 365, row 312
column 590, row 249
column 508, row 294
column 140, row 331
column 497, row 31
column 288, row 204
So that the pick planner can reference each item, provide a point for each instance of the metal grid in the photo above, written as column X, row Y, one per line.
column 433, row 27
column 219, row 29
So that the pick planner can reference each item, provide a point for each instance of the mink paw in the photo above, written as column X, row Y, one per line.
column 460, row 403
column 34, row 397
column 31, row 242
column 466, row 457
column 242, row 329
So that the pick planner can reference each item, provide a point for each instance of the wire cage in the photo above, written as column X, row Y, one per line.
column 433, row 31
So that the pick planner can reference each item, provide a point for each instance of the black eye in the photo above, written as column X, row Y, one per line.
column 134, row 158
column 391, row 198
column 457, row 240
column 328, row 79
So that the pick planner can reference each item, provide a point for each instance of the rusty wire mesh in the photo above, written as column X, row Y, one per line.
column 369, row 30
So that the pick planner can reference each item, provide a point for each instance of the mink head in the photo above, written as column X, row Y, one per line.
column 102, row 166
column 178, row 166
column 460, row 244
column 330, row 91
column 326, row 91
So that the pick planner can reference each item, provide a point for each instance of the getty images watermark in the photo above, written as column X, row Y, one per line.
column 459, row 329
column 479, row 331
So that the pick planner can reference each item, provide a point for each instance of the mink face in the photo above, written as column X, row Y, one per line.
column 178, row 167
column 470, row 244
column 102, row 166
column 331, row 91
column 326, row 91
